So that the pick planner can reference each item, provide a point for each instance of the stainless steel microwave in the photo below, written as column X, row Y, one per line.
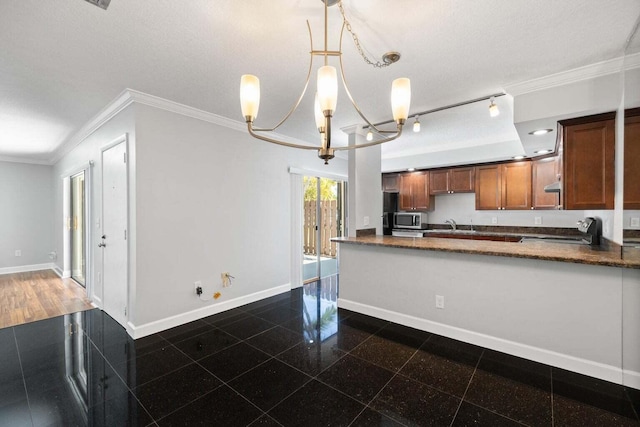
column 412, row 220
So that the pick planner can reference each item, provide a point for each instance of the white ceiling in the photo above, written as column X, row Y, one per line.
column 62, row 61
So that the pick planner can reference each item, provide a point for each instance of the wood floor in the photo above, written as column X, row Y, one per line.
column 37, row 295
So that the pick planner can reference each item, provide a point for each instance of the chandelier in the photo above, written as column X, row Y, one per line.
column 326, row 96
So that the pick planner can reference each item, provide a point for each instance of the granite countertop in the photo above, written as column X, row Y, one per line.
column 582, row 254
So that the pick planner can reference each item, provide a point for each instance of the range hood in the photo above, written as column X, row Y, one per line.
column 553, row 187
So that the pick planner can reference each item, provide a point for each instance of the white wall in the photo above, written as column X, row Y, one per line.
column 209, row 200
column 365, row 198
column 25, row 216
column 79, row 157
column 548, row 311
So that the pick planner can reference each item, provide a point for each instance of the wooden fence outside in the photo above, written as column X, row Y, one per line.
column 328, row 228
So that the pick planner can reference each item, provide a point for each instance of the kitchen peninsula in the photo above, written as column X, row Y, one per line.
column 570, row 306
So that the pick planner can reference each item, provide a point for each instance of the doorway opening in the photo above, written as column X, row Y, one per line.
column 76, row 224
column 324, row 203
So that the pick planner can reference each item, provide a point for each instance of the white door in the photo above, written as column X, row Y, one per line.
column 115, row 254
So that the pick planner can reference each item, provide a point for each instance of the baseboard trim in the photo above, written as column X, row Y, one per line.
column 631, row 379
column 57, row 270
column 26, row 268
column 571, row 363
column 140, row 331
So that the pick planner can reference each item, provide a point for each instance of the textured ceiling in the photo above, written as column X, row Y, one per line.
column 62, row 61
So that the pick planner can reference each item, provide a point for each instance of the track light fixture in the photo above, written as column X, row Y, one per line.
column 493, row 108
column 416, row 125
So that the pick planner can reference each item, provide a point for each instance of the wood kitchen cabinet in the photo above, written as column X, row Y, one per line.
column 414, row 192
column 448, row 181
column 503, row 186
column 632, row 159
column 544, row 172
column 390, row 182
column 589, row 162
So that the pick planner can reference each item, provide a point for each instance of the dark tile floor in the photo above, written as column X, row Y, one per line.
column 292, row 360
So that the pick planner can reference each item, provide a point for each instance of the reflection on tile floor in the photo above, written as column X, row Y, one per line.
column 293, row 360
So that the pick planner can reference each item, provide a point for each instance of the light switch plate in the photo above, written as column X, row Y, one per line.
column 440, row 301
column 366, row 220
column 537, row 220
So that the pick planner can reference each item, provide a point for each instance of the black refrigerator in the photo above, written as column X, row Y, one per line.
column 389, row 207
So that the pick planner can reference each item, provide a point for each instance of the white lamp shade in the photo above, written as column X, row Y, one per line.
column 416, row 126
column 318, row 113
column 400, row 98
column 327, row 88
column 250, row 96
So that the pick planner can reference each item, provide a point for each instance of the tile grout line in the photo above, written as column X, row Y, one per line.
column 395, row 374
column 24, row 381
column 467, row 388
column 108, row 362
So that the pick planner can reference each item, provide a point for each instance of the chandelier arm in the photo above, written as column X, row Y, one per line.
column 253, row 133
column 304, row 90
column 346, row 88
column 371, row 144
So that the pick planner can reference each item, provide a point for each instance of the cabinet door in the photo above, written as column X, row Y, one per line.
column 420, row 190
column 632, row 162
column 488, row 187
column 589, row 175
column 462, row 180
column 390, row 182
column 439, row 181
column 544, row 172
column 405, row 198
column 516, row 185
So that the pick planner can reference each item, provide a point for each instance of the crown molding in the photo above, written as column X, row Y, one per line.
column 130, row 96
column 24, row 160
column 587, row 72
column 107, row 113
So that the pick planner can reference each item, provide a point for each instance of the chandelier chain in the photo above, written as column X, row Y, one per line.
column 356, row 41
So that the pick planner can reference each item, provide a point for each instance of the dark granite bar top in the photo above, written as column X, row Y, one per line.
column 550, row 251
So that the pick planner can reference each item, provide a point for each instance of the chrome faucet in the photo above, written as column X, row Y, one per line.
column 452, row 223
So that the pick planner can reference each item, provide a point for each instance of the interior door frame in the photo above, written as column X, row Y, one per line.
column 124, row 139
column 87, row 168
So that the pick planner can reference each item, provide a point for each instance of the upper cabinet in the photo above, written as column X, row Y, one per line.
column 391, row 182
column 544, row 172
column 448, row 181
column 632, row 159
column 414, row 191
column 589, row 163
column 503, row 186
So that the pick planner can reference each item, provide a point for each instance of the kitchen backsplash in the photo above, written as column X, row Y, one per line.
column 461, row 208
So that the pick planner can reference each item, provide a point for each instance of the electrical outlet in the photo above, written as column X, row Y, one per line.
column 18, row 252
column 198, row 287
column 440, row 302
column 537, row 220
column 366, row 220
column 494, row 220
column 635, row 222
